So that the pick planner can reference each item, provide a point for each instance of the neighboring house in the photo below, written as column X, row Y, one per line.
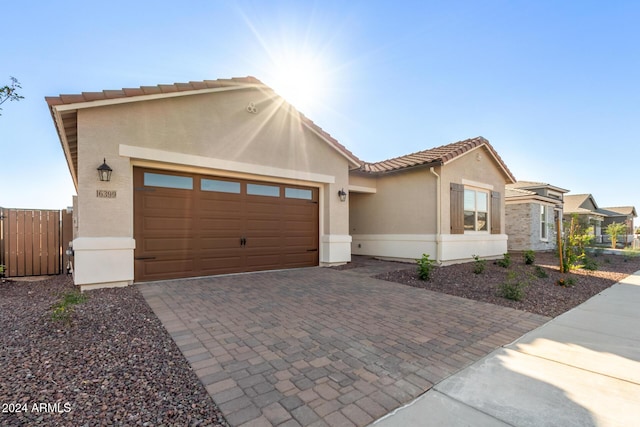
column 224, row 176
column 584, row 205
column 531, row 209
column 586, row 209
column 619, row 214
column 447, row 202
column 208, row 177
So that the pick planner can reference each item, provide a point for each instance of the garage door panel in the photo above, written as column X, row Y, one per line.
column 228, row 243
column 301, row 259
column 169, row 224
column 166, row 202
column 263, row 262
column 221, row 225
column 221, row 264
column 161, row 243
column 166, row 266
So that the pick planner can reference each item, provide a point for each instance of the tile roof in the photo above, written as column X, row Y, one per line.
column 67, row 125
column 152, row 90
column 435, row 156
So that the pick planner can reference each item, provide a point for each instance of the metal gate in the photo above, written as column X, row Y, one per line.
column 30, row 242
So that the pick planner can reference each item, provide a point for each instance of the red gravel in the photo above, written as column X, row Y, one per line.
column 542, row 295
column 112, row 364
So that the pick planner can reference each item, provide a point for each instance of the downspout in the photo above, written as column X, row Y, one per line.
column 438, row 218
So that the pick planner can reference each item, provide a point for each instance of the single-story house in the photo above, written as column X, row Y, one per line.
column 224, row 176
column 621, row 215
column 586, row 209
column 447, row 202
column 531, row 211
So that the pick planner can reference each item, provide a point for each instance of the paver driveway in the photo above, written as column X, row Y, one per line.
column 318, row 347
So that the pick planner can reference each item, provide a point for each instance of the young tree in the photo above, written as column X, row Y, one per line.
column 10, row 92
column 614, row 230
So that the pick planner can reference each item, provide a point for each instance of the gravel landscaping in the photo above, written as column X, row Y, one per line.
column 111, row 362
column 541, row 295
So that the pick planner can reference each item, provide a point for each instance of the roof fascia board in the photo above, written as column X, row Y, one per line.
column 65, row 146
column 140, row 98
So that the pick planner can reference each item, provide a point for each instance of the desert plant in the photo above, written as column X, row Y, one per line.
column 505, row 262
column 578, row 235
column 567, row 282
column 513, row 288
column 62, row 310
column 540, row 272
column 479, row 265
column 425, row 267
column 529, row 257
column 614, row 230
column 589, row 264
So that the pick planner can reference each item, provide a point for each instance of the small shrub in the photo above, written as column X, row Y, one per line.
column 589, row 264
column 568, row 282
column 1, row 270
column 425, row 267
column 512, row 288
column 62, row 310
column 479, row 265
column 540, row 272
column 505, row 262
column 529, row 257
column 597, row 252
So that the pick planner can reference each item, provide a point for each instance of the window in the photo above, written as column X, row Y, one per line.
column 543, row 223
column 297, row 193
column 220, row 186
column 168, row 181
column 263, row 190
column 476, row 210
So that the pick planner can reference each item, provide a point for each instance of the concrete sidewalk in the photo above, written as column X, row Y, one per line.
column 580, row 369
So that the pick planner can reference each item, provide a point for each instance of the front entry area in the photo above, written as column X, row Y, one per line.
column 188, row 225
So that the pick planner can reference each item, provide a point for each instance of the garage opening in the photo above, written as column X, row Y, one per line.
column 188, row 225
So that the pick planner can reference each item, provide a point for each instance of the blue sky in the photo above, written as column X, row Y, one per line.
column 554, row 86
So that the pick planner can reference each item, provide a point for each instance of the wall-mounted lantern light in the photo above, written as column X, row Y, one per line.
column 104, row 171
column 343, row 195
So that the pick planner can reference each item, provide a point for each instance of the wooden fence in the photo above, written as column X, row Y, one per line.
column 32, row 243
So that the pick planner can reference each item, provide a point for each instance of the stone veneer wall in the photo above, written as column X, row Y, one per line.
column 523, row 227
column 518, row 226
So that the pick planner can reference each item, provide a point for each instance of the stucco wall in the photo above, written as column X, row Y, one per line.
column 404, row 203
column 211, row 125
column 209, row 133
column 479, row 167
column 400, row 219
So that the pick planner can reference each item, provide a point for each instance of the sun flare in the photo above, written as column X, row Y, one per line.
column 300, row 80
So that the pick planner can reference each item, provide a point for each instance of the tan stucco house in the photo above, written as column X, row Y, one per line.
column 532, row 209
column 447, row 202
column 224, row 176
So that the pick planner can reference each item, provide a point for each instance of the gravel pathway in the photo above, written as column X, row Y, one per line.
column 113, row 363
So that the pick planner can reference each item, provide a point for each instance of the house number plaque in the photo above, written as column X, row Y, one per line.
column 106, row 194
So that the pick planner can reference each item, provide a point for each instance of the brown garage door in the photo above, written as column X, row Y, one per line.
column 190, row 225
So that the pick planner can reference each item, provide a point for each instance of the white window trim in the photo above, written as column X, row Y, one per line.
column 544, row 225
column 481, row 188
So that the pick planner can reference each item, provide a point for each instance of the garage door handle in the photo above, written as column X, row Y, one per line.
column 144, row 257
column 243, row 241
